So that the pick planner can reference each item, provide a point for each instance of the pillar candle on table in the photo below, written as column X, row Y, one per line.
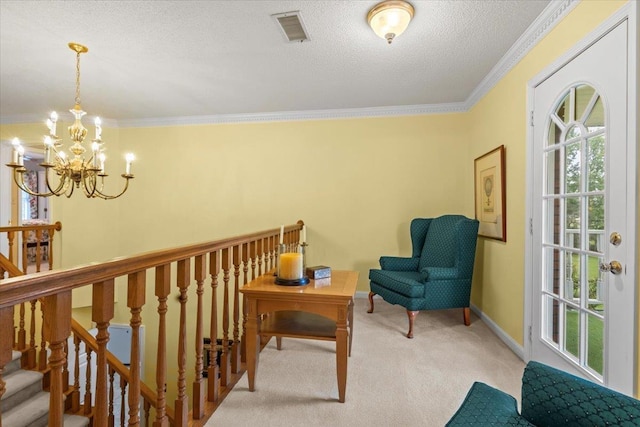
column 290, row 266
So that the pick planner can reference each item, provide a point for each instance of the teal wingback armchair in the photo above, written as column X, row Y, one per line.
column 437, row 275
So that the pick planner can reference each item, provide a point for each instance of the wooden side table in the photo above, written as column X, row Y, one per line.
column 321, row 310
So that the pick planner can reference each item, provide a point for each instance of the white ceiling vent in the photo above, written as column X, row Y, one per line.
column 292, row 26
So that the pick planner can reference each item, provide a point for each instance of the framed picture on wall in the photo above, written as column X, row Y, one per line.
column 490, row 194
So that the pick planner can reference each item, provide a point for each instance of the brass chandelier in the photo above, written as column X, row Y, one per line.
column 73, row 171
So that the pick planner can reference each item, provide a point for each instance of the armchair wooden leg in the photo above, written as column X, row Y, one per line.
column 371, row 294
column 412, row 315
column 466, row 315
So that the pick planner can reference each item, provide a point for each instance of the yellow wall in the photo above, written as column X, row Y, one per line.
column 355, row 183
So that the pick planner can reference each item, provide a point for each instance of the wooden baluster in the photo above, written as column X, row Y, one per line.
column 260, row 254
column 147, row 407
column 245, row 263
column 38, row 250
column 42, row 362
column 245, row 269
column 75, row 394
column 163, row 288
column 213, row 382
column 235, row 346
column 87, row 383
column 57, row 327
column 252, row 255
column 6, row 344
column 182, row 400
column 123, row 401
column 225, row 360
column 11, row 237
column 102, row 313
column 65, row 369
column 31, row 354
column 198, row 383
column 112, row 374
column 272, row 253
column 52, row 231
column 24, row 251
column 135, row 301
column 22, row 333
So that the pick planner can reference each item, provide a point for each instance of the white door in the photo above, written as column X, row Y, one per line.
column 582, row 295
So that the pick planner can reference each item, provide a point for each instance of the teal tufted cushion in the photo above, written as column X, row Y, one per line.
column 551, row 397
column 406, row 283
column 487, row 406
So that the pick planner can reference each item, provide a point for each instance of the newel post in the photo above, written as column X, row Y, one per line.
column 57, row 328
column 102, row 313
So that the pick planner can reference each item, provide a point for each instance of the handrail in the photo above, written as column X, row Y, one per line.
column 117, row 366
column 39, row 236
column 10, row 267
column 17, row 290
column 56, row 226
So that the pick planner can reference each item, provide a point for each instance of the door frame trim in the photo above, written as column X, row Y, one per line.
column 628, row 12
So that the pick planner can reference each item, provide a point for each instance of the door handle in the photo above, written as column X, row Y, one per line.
column 614, row 267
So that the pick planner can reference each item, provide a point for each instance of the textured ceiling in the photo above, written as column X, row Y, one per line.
column 167, row 59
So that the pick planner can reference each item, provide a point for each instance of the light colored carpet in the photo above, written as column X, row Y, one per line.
column 391, row 380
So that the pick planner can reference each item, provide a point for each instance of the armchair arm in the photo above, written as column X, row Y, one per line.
column 394, row 263
column 440, row 273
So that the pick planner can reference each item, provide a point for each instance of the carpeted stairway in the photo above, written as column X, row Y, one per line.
column 24, row 403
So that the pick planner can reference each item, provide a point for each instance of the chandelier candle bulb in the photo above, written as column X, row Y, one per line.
column 16, row 143
column 130, row 157
column 290, row 266
column 54, row 120
column 98, row 124
column 20, row 150
column 47, row 149
column 95, row 148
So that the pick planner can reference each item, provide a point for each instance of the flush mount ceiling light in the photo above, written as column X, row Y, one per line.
column 390, row 18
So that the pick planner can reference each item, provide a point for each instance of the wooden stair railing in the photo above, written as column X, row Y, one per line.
column 114, row 366
column 23, row 237
column 230, row 255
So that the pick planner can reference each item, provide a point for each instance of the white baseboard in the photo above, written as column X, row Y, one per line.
column 506, row 338
column 364, row 294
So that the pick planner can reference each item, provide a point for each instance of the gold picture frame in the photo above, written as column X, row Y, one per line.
column 490, row 194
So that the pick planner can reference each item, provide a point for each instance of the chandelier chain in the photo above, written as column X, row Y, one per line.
column 78, row 78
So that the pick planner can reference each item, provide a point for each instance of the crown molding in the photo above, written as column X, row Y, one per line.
column 546, row 21
column 64, row 117
column 287, row 116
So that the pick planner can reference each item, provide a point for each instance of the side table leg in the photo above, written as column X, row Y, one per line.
column 342, row 344
column 253, row 343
